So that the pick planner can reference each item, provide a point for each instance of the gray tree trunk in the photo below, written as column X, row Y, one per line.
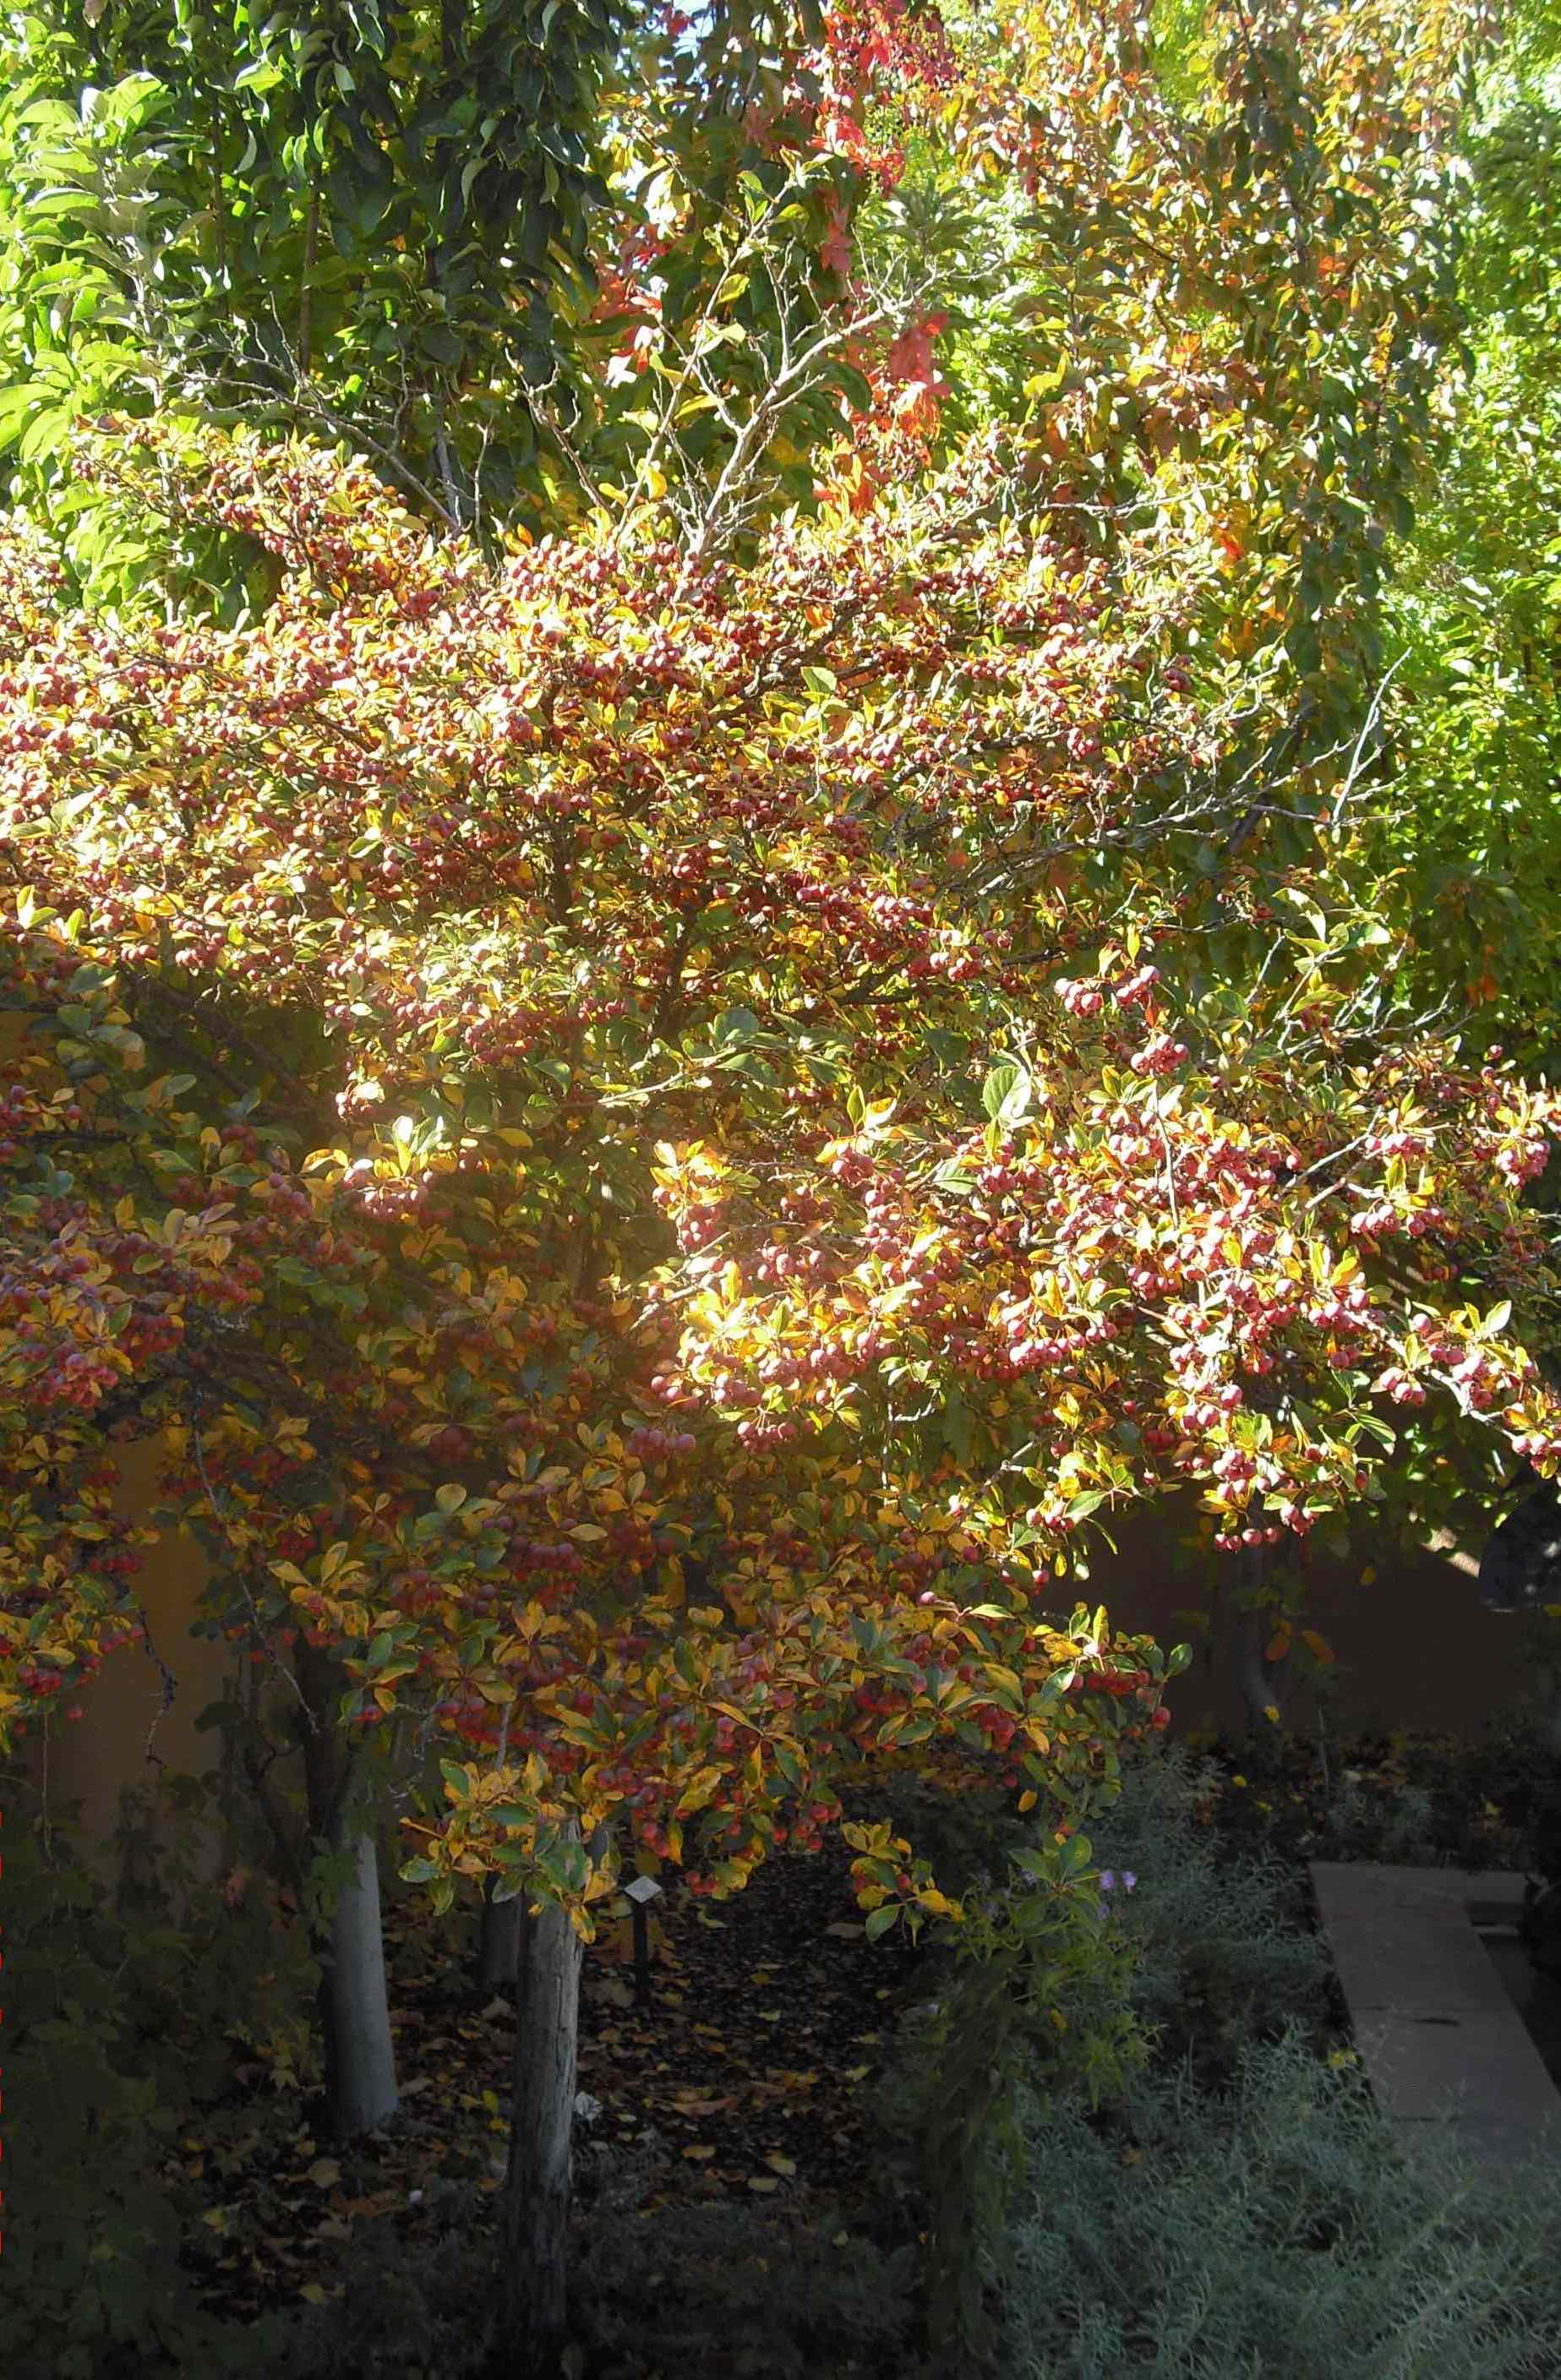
column 498, row 1949
column 353, row 2003
column 355, row 2007
column 533, row 2218
column 1548, row 1701
column 1242, row 1635
column 1261, row 1684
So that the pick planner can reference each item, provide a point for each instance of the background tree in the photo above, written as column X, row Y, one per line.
column 356, row 213
column 1473, row 707
column 434, row 230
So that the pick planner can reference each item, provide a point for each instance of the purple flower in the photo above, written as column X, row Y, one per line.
column 1108, row 1880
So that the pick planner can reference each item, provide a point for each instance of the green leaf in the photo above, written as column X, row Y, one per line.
column 996, row 1088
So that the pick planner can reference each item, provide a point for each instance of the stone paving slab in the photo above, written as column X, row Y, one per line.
column 1437, row 2031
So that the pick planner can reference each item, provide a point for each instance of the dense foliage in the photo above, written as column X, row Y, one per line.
column 1474, row 598
column 924, row 1314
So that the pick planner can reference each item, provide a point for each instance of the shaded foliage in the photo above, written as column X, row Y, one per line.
column 122, row 2028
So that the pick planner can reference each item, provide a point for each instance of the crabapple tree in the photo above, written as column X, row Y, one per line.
column 600, row 1109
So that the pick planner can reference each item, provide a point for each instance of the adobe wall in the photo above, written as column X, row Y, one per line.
column 1414, row 1650
column 124, row 1730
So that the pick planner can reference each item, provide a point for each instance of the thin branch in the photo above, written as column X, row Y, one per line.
column 280, row 1667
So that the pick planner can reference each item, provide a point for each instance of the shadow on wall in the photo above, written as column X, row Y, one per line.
column 1414, row 1652
column 125, row 1733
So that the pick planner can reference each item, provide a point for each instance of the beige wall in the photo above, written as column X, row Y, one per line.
column 123, row 1731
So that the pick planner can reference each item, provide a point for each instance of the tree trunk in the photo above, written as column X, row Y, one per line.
column 498, row 1949
column 354, row 2006
column 535, row 2215
column 1245, row 1633
column 1547, row 1704
column 1262, row 1682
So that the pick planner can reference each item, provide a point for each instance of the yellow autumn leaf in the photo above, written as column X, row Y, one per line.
column 700, row 1789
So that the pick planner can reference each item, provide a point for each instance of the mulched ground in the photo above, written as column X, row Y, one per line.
column 749, row 2077
column 1482, row 1795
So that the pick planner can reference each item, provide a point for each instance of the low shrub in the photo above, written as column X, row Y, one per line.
column 1221, row 1943
column 1489, row 1800
column 1186, row 2238
column 723, row 2293
column 1194, row 1952
column 403, row 2310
